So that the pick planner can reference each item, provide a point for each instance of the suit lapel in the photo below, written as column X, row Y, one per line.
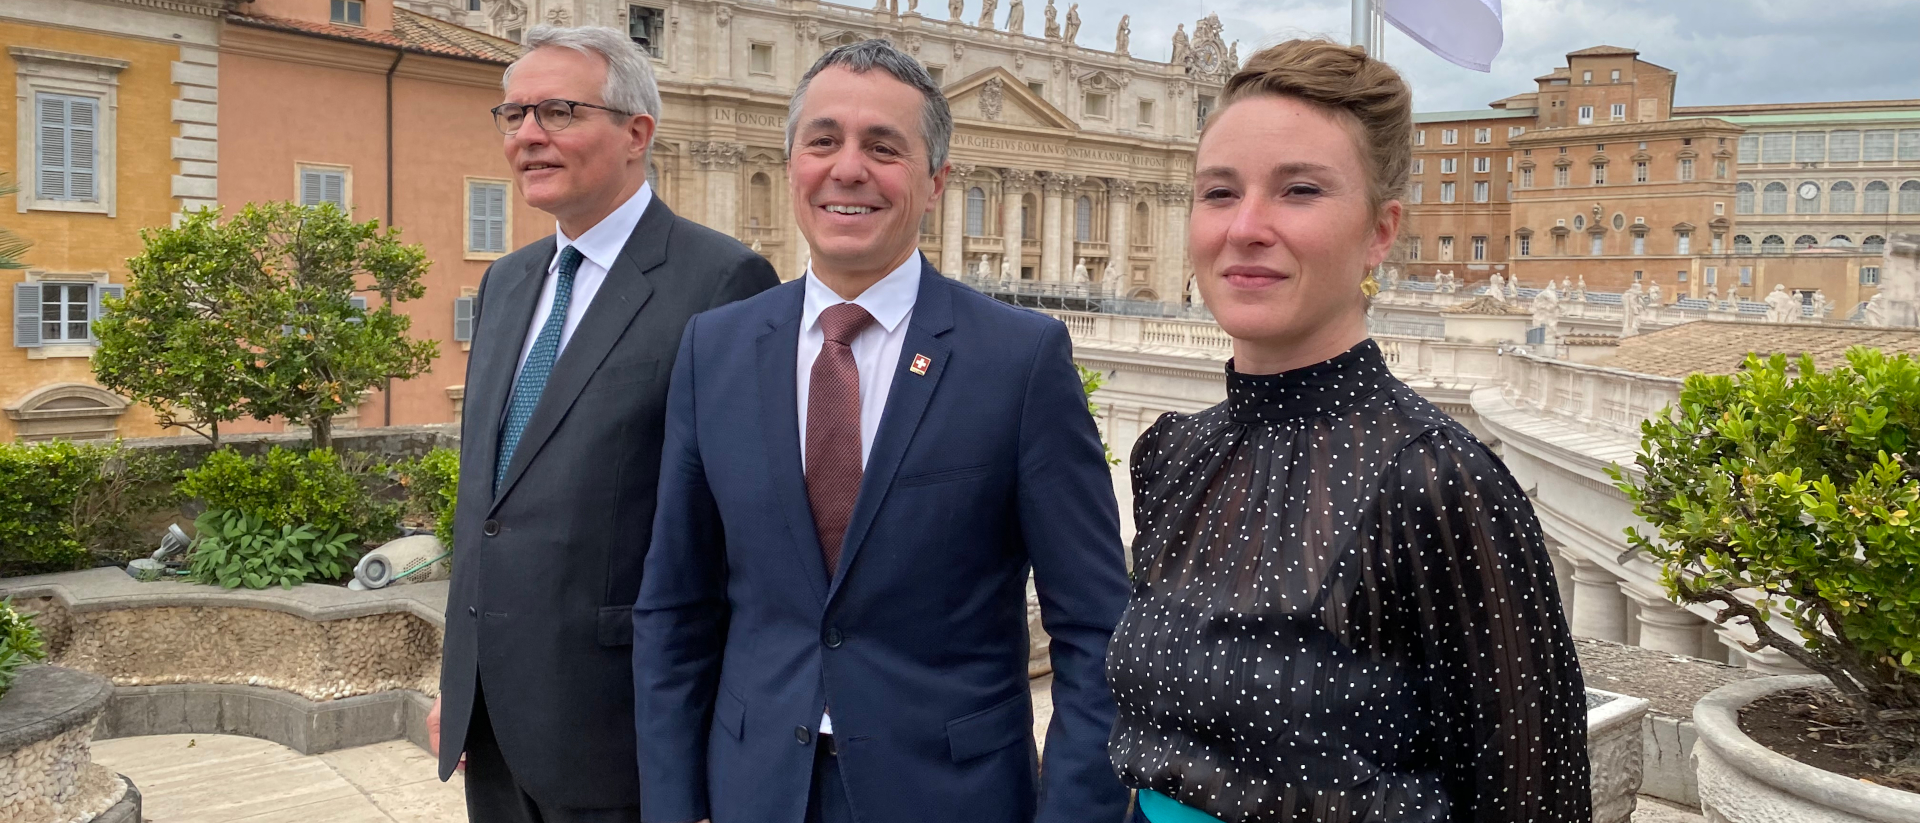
column 907, row 402
column 779, row 408
column 626, row 289
column 496, row 356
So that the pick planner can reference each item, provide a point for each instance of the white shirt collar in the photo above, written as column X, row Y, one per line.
column 889, row 301
column 602, row 243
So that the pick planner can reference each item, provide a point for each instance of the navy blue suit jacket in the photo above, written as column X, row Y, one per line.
column 986, row 465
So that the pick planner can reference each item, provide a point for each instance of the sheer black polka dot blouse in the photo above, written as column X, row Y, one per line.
column 1342, row 611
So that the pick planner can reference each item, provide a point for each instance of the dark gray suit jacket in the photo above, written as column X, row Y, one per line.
column 545, row 574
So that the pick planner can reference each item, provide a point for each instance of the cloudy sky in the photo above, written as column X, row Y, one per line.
column 1726, row 51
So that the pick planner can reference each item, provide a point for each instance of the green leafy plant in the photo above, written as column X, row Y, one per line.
column 19, row 643
column 236, row 550
column 1090, row 382
column 1786, row 493
column 433, row 488
column 132, row 497
column 39, row 483
column 294, row 488
column 256, row 316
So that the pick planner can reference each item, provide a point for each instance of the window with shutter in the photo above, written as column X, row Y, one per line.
column 323, row 186
column 1749, row 148
column 100, row 293
column 976, row 212
column 1776, row 147
column 1876, row 145
column 66, row 312
column 486, row 217
column 1877, row 197
column 463, row 319
column 66, row 147
column 1810, row 147
column 1843, row 147
column 1910, row 144
column 26, row 315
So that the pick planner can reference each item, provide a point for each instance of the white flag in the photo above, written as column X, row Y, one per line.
column 1465, row 32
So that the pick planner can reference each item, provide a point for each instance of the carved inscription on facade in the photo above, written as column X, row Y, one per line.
column 1035, row 147
column 722, row 114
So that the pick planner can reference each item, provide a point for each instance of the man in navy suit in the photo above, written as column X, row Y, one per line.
column 860, row 468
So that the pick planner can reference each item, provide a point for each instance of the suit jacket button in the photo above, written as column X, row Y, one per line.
column 473, row 612
column 834, row 638
column 490, row 528
column 803, row 734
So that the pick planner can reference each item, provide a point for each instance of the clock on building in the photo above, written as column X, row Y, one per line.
column 1808, row 191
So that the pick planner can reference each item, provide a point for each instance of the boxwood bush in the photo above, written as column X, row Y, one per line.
column 1788, row 493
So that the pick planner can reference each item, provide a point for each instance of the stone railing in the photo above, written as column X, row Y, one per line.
column 1594, row 397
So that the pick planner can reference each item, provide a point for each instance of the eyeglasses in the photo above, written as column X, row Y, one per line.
column 554, row 114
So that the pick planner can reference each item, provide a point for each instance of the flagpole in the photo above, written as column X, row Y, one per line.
column 1362, row 34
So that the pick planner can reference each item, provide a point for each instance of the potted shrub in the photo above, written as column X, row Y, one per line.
column 1786, row 499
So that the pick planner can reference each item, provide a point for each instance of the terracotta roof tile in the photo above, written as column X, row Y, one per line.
column 412, row 32
column 1719, row 347
column 1602, row 51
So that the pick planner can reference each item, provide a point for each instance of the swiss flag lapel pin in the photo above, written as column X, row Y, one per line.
column 920, row 365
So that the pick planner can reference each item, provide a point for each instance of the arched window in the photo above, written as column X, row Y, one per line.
column 1874, row 244
column 976, row 212
column 1142, row 225
column 1840, row 241
column 1910, row 197
column 1029, row 227
column 1840, row 198
column 1773, row 244
column 1743, row 198
column 1875, row 201
column 1742, row 244
column 1083, row 220
column 1806, row 205
column 760, row 201
column 1805, row 241
column 1773, row 198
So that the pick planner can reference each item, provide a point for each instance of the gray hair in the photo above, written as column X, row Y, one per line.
column 630, row 85
column 936, row 122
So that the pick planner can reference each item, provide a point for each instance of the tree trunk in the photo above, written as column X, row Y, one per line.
column 322, row 427
column 215, row 425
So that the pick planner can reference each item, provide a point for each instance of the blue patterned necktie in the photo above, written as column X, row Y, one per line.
column 533, row 375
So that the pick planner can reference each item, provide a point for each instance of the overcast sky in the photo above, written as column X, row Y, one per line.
column 1726, row 51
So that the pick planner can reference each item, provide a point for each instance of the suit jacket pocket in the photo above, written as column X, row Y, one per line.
column 616, row 625
column 991, row 729
column 731, row 713
column 624, row 373
column 942, row 475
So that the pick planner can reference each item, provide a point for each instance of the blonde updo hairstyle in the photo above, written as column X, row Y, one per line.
column 1364, row 93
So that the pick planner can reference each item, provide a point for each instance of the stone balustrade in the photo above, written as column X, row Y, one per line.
column 1595, row 398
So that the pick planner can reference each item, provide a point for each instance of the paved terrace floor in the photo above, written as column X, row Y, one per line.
column 204, row 778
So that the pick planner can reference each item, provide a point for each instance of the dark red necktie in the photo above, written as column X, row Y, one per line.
column 833, row 429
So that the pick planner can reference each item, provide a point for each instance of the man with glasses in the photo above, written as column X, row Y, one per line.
column 560, row 439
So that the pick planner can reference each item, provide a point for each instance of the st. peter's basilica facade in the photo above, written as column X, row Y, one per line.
column 1069, row 154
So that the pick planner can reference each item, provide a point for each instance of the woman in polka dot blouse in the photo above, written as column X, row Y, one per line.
column 1342, row 607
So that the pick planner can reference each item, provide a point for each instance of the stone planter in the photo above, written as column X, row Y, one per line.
column 1744, row 782
column 1614, row 751
column 47, row 773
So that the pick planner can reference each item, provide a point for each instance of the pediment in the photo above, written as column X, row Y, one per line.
column 836, row 38
column 1101, row 81
column 995, row 95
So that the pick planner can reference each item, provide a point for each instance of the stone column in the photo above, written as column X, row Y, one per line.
column 719, row 164
column 1119, row 219
column 1013, row 185
column 1599, row 609
column 1562, row 575
column 1665, row 626
column 952, row 243
column 1054, row 187
column 1171, row 279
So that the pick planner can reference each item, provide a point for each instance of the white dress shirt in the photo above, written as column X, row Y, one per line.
column 876, row 353
column 599, row 247
column 876, row 349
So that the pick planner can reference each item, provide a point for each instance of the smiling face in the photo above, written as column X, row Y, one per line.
column 579, row 174
column 1282, row 233
column 858, row 174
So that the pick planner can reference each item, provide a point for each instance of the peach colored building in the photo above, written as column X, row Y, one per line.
column 1597, row 176
column 387, row 117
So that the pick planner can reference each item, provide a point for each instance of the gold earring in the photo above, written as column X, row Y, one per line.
column 1369, row 286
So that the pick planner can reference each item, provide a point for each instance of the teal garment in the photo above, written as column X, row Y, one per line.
column 1160, row 808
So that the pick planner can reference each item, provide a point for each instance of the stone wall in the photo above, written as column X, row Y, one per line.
column 318, row 660
column 47, row 774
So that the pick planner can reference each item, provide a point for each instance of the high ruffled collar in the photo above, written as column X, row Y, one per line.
column 1319, row 389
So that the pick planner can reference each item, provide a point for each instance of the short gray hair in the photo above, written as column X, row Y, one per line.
column 630, row 85
column 936, row 122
